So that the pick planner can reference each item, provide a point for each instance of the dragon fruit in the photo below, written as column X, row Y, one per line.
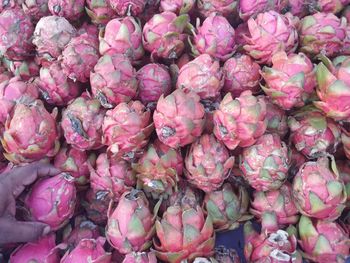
column 323, row 241
column 328, row 6
column 30, row 133
column 96, row 204
column 222, row 7
column 163, row 35
column 312, row 133
column 75, row 162
column 56, row 88
column 159, row 169
column 290, row 80
column 251, row 8
column 79, row 57
column 51, row 35
column 265, row 164
column 52, row 200
column 108, row 89
column 227, row 206
column 36, row 9
column 179, row 118
column 276, row 119
column 88, row 250
column 42, row 250
column 203, row 76
column 72, row 10
column 240, row 122
column 298, row 8
column 128, row 7
column 215, row 37
column 344, row 173
column 16, row 30
column 333, row 88
column 208, row 163
column 112, row 175
column 140, row 257
column 278, row 203
column 99, row 11
column 9, row 4
column 174, row 241
column 131, row 226
column 241, row 73
column 318, row 191
column 178, row 7
column 126, row 129
column 25, row 69
column 322, row 33
column 82, row 123
column 269, row 33
column 123, row 36
column 154, row 80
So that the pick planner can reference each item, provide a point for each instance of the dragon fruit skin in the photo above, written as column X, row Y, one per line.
column 328, row 6
column 16, row 30
column 208, row 163
column 178, row 7
column 126, row 129
column 10, row 4
column 251, row 8
column 36, row 9
column 96, row 204
column 344, row 173
column 265, row 164
column 225, row 7
column 24, row 145
column 51, row 35
column 52, row 200
column 131, row 226
column 82, row 123
column 110, row 90
column 322, row 33
column 215, row 37
column 72, row 10
column 123, row 36
column 140, row 257
column 276, row 119
column 318, row 191
column 203, row 76
column 323, row 241
column 128, row 7
column 312, row 133
column 298, row 8
column 290, row 80
column 163, row 35
column 241, row 73
column 25, row 69
column 154, row 80
column 240, row 122
column 99, row 11
column 269, row 33
column 179, row 118
column 42, row 250
column 56, row 88
column 88, row 250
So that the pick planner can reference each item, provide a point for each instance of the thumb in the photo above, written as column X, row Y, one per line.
column 13, row 231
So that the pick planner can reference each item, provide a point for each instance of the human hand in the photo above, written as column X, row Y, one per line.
column 12, row 184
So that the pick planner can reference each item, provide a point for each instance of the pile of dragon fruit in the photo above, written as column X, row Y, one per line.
column 174, row 121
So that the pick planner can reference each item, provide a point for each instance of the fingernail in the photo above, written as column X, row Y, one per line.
column 46, row 230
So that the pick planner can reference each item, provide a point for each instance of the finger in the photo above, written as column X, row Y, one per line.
column 13, row 231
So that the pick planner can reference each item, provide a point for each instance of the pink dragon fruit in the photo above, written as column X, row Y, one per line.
column 328, row 6
column 344, row 172
column 163, row 35
column 240, row 122
column 128, row 7
column 56, row 88
column 322, row 33
column 276, row 119
column 179, row 118
column 99, row 11
column 178, row 7
column 108, row 89
column 290, row 80
column 122, row 36
column 52, row 200
column 25, row 69
column 298, row 8
column 36, row 9
column 112, row 175
column 323, row 241
column 72, row 10
column 318, row 191
column 140, row 257
column 82, row 123
column 126, row 129
column 79, row 57
column 96, row 204
column 251, row 8
column 131, row 225
column 88, row 250
column 42, row 250
column 10, row 4
column 91, row 30
column 269, row 33
column 222, row 7
column 154, row 81
column 51, row 35
column 215, row 37
column 241, row 73
column 75, row 162
column 16, row 31
column 30, row 133
column 312, row 133
column 203, row 76
column 265, row 164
